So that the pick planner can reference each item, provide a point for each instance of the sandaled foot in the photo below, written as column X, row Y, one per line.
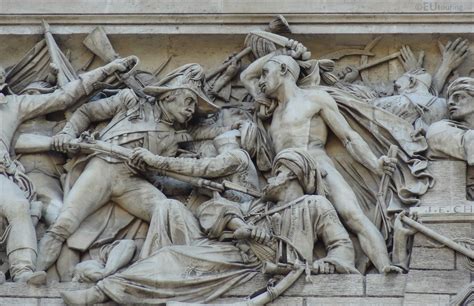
column 392, row 269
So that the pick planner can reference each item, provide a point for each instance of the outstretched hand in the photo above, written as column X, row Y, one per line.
column 454, row 53
column 409, row 60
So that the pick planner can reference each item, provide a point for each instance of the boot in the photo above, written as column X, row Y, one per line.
column 48, row 250
column 37, row 278
column 84, row 297
column 22, row 267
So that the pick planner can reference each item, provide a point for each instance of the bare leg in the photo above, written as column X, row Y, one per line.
column 345, row 202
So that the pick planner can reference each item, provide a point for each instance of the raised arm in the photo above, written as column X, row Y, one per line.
column 250, row 76
column 88, row 113
column 38, row 105
column 453, row 54
column 351, row 140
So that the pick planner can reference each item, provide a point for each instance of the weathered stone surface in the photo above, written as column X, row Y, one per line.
column 385, row 285
column 18, row 301
column 425, row 299
column 449, row 187
column 323, row 285
column 354, row 301
column 51, row 291
column 51, row 301
column 222, row 16
column 439, row 282
column 461, row 262
column 281, row 301
column 451, row 230
column 432, row 258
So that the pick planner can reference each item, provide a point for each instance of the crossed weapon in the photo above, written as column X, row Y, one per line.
column 30, row 143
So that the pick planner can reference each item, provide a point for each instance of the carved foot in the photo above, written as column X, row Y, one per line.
column 37, row 278
column 84, row 297
column 392, row 269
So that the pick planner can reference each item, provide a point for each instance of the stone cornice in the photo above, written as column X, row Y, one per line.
column 310, row 23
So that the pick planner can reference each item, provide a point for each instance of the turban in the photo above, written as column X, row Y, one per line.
column 462, row 84
column 300, row 162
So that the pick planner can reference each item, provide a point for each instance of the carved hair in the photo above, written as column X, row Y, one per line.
column 462, row 84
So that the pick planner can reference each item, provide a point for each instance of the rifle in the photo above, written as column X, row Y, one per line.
column 30, row 143
column 99, row 44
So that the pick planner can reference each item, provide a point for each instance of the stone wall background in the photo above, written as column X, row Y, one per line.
column 210, row 50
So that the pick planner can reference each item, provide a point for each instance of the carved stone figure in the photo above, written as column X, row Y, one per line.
column 202, row 271
column 312, row 114
column 135, row 123
column 413, row 101
column 17, row 190
column 452, row 138
column 232, row 164
column 44, row 168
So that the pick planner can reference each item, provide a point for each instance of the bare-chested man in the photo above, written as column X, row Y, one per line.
column 303, row 118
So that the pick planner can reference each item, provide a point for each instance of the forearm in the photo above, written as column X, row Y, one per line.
column 78, row 123
column 439, row 79
column 361, row 152
column 207, row 167
column 91, row 112
column 204, row 132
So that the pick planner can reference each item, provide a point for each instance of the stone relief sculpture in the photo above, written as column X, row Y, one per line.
column 213, row 267
column 179, row 188
column 16, row 186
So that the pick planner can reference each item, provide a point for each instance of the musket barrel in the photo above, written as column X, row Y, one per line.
column 438, row 237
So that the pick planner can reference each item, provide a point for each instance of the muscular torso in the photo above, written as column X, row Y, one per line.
column 297, row 123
